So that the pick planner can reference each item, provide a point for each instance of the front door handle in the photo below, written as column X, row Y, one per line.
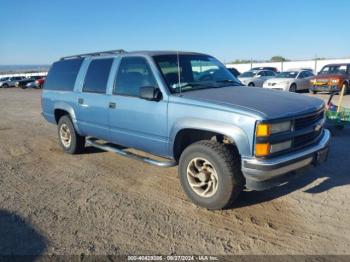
column 112, row 105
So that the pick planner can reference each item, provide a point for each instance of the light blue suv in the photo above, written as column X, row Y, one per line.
column 189, row 110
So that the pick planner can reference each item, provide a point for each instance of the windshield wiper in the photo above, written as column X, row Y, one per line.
column 229, row 81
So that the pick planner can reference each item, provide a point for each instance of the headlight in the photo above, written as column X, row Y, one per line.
column 280, row 146
column 335, row 81
column 269, row 129
column 265, row 149
column 265, row 130
column 313, row 81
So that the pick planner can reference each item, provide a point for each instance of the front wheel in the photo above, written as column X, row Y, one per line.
column 312, row 92
column 210, row 174
column 70, row 140
column 293, row 88
column 251, row 84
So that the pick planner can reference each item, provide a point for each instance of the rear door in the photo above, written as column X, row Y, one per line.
column 135, row 122
column 92, row 101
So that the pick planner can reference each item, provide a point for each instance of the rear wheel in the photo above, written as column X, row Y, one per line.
column 5, row 85
column 251, row 84
column 293, row 88
column 70, row 140
column 210, row 174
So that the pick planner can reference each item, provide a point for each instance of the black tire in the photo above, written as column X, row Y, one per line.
column 312, row 92
column 226, row 161
column 77, row 142
column 251, row 84
column 5, row 86
column 293, row 88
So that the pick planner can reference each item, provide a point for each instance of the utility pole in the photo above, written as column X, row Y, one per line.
column 316, row 64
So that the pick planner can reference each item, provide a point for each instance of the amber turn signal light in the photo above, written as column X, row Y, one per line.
column 262, row 130
column 262, row 149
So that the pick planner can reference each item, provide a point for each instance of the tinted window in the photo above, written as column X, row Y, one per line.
column 262, row 73
column 302, row 75
column 269, row 73
column 97, row 76
column 133, row 73
column 63, row 74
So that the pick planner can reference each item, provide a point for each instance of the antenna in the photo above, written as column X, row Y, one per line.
column 178, row 69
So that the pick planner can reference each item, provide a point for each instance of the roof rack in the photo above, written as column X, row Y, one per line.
column 110, row 52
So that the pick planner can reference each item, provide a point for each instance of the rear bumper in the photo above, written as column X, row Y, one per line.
column 262, row 174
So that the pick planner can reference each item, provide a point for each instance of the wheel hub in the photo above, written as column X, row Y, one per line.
column 202, row 177
column 65, row 135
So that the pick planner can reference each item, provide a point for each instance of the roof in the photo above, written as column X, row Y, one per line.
column 338, row 64
column 123, row 52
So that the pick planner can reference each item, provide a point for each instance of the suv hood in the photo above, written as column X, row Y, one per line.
column 270, row 104
column 330, row 76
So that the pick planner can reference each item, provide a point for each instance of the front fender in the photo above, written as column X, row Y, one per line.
column 235, row 133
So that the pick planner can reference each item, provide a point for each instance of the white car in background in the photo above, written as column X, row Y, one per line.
column 256, row 77
column 290, row 81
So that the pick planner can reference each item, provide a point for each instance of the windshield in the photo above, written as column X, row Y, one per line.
column 248, row 74
column 195, row 72
column 335, row 69
column 290, row 74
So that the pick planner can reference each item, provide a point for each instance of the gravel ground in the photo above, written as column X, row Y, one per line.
column 100, row 203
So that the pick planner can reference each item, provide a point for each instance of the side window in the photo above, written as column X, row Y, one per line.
column 302, row 75
column 261, row 73
column 309, row 74
column 133, row 73
column 62, row 75
column 97, row 76
column 269, row 73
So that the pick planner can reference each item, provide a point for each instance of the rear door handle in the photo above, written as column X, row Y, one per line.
column 81, row 102
column 112, row 105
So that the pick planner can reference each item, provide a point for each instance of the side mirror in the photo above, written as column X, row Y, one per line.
column 150, row 93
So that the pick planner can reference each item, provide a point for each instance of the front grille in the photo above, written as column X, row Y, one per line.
column 308, row 121
column 307, row 139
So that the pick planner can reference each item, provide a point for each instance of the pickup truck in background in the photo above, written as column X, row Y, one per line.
column 188, row 109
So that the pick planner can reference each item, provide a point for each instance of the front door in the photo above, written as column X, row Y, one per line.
column 135, row 122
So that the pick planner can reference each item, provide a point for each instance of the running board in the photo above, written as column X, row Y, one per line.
column 93, row 142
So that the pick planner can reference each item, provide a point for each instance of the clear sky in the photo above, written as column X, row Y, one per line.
column 40, row 31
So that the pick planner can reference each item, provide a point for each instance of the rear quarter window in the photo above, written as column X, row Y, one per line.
column 62, row 75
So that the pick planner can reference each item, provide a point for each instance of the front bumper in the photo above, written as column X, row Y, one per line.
column 262, row 174
column 276, row 86
column 324, row 88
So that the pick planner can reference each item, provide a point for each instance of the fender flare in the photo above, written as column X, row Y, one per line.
column 69, row 109
column 234, row 133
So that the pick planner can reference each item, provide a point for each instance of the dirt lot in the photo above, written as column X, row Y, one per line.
column 100, row 203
